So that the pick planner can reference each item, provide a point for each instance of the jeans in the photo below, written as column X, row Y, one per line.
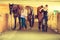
column 45, row 26
column 23, row 24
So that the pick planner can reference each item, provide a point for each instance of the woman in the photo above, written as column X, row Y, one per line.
column 23, row 20
column 40, row 16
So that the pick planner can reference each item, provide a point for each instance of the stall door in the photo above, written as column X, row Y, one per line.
column 58, row 22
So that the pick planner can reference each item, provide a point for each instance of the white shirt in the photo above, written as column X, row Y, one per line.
column 24, row 13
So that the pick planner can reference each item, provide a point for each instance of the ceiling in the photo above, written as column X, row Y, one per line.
column 34, row 0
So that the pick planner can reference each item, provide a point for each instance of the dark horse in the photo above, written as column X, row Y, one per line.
column 16, row 11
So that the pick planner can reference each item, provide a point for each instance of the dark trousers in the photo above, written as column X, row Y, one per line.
column 15, row 18
column 45, row 26
column 31, row 22
column 39, row 24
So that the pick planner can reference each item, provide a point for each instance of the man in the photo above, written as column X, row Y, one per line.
column 30, row 16
column 45, row 19
column 31, row 19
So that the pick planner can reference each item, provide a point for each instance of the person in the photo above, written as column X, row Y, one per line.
column 30, row 17
column 15, row 9
column 45, row 19
column 23, row 20
column 40, row 16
